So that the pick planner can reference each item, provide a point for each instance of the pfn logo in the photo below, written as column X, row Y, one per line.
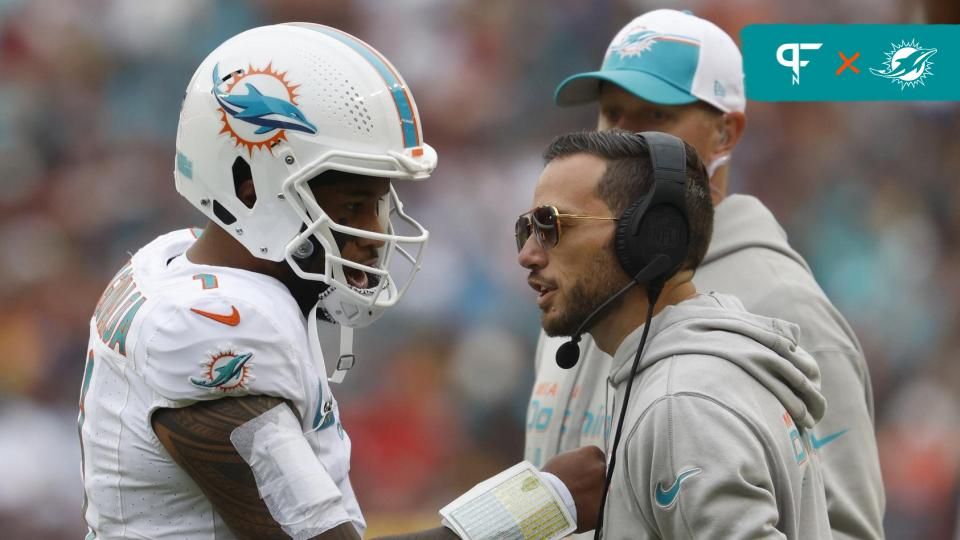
column 794, row 62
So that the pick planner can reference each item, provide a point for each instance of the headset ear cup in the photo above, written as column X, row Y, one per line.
column 626, row 239
column 663, row 230
column 641, row 235
column 657, row 224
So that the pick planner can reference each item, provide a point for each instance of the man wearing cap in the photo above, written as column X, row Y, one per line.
column 671, row 71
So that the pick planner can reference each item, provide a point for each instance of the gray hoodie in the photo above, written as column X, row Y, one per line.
column 715, row 442
column 749, row 257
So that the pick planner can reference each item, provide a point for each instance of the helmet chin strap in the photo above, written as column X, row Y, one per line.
column 346, row 359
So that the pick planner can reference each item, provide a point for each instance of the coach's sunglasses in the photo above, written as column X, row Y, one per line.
column 545, row 221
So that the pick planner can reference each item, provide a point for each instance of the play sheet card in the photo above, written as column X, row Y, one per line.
column 515, row 504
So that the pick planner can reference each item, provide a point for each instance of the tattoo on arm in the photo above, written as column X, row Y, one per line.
column 198, row 439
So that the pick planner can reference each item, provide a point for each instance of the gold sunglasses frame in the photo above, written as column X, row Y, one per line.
column 534, row 223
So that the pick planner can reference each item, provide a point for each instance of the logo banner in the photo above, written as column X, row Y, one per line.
column 852, row 62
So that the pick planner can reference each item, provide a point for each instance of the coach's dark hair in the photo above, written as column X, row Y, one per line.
column 629, row 175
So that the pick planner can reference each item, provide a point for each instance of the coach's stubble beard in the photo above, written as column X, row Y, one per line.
column 599, row 280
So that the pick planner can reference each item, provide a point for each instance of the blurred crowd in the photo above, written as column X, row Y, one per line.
column 89, row 96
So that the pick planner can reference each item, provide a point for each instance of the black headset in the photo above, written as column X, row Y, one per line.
column 653, row 233
column 651, row 243
column 657, row 222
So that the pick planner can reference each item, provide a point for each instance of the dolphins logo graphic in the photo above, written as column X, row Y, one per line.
column 258, row 107
column 635, row 43
column 225, row 371
column 907, row 64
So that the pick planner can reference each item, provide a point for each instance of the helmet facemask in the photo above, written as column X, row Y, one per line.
column 357, row 292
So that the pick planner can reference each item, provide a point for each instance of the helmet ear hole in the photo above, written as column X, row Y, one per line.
column 241, row 176
column 223, row 214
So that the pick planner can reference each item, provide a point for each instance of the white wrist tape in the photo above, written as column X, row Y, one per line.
column 519, row 503
column 292, row 481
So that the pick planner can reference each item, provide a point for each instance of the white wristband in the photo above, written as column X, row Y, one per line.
column 564, row 493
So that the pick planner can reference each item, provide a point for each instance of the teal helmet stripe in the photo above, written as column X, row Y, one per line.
column 405, row 106
column 673, row 60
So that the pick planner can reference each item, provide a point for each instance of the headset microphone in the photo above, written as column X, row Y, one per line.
column 569, row 353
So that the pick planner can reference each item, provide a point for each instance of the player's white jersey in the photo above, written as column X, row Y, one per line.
column 168, row 333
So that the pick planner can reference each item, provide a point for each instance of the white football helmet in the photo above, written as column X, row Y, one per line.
column 292, row 101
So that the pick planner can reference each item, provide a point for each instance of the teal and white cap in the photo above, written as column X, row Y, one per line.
column 668, row 57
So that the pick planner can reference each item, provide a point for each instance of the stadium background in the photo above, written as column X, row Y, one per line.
column 89, row 95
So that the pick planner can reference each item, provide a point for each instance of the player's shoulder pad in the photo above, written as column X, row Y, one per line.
column 224, row 332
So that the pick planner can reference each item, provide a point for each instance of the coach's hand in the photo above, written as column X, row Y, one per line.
column 582, row 471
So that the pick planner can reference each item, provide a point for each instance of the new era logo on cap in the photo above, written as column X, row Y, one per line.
column 718, row 89
column 668, row 57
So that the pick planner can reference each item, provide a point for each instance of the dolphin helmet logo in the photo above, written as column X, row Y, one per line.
column 907, row 64
column 258, row 106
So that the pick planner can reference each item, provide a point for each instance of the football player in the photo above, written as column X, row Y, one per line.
column 206, row 410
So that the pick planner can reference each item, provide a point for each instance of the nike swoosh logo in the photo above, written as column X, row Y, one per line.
column 820, row 443
column 666, row 498
column 232, row 319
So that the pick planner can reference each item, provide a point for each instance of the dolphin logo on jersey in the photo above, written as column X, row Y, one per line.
column 226, row 371
column 907, row 64
column 258, row 107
